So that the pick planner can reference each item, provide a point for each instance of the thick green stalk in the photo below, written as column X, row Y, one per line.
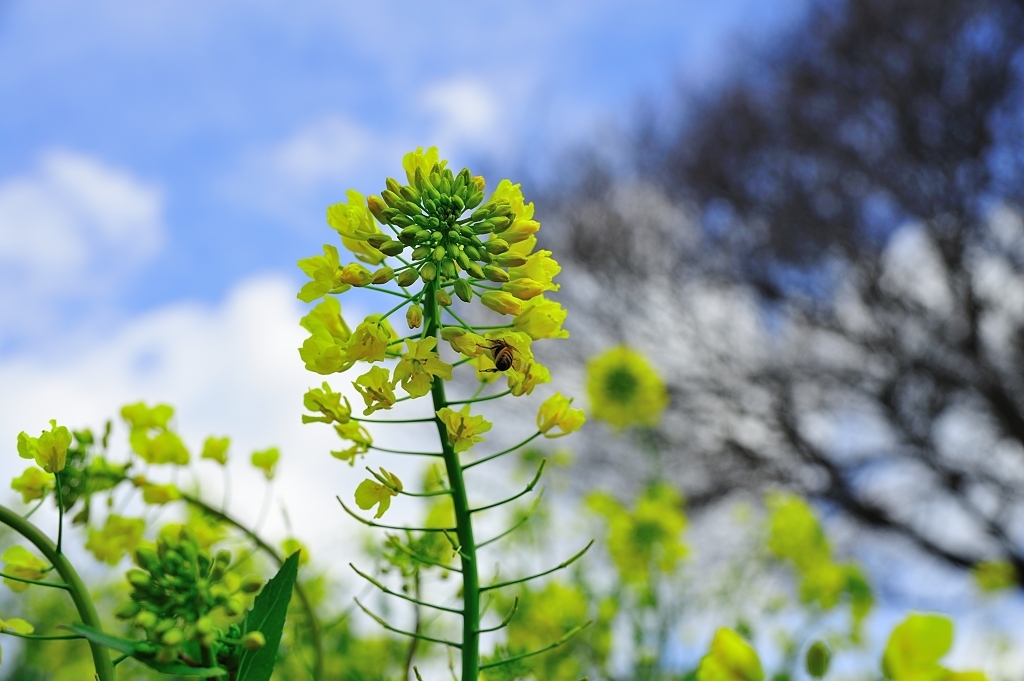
column 79, row 593
column 463, row 521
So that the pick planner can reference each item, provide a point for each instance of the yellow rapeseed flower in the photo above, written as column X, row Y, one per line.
column 159, row 495
column 502, row 302
column 21, row 563
column 266, row 461
column 333, row 406
column 540, row 267
column 370, row 340
column 541, row 318
column 216, row 449
column 464, row 342
column 49, row 450
column 378, row 492
column 556, row 412
column 463, row 430
column 424, row 160
column 376, row 388
column 354, row 222
column 323, row 272
column 33, row 484
column 730, row 659
column 354, row 432
column 119, row 536
column 624, row 389
column 419, row 365
column 915, row 647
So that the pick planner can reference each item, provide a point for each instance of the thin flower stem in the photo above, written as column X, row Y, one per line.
column 388, row 591
column 52, row 585
column 388, row 291
column 527, row 490
column 41, row 500
column 370, row 523
column 60, row 511
column 519, row 523
column 438, row 493
column 487, row 288
column 479, row 389
column 502, row 452
column 410, row 634
column 399, row 451
column 362, row 420
column 42, row 637
column 481, row 399
column 561, row 566
column 396, row 309
column 568, row 635
column 464, row 325
column 227, row 490
column 78, row 591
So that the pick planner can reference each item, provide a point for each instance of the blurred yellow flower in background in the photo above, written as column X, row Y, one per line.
column 624, row 389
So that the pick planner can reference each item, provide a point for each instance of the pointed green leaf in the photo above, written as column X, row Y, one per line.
column 267, row 617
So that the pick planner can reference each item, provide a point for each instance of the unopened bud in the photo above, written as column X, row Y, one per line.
column 475, row 270
column 510, row 259
column 497, row 274
column 172, row 637
column 423, row 236
column 204, row 625
column 392, row 247
column 234, row 607
column 496, row 246
column 428, row 272
column 407, row 277
column 443, row 298
column 391, row 198
column 421, row 252
column 414, row 316
column 438, row 253
column 254, row 640
column 817, row 660
column 128, row 610
column 139, row 579
column 463, row 290
column 402, row 220
column 145, row 620
column 472, row 252
column 474, row 200
column 383, row 275
column 448, row 268
column 147, row 559
column 393, row 186
column 251, row 584
column 376, row 205
column 378, row 240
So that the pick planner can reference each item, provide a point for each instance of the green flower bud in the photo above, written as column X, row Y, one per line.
column 407, row 277
column 408, row 235
column 414, row 316
column 448, row 268
column 223, row 556
column 482, row 213
column 501, row 209
column 453, row 251
column 233, row 607
column 392, row 247
column 463, row 290
column 145, row 620
column 163, row 626
column 438, row 253
column 392, row 185
column 485, row 257
column 482, row 227
column 139, row 579
column 462, row 259
column 499, row 224
column 419, row 180
column 254, row 640
column 496, row 246
column 475, row 270
column 173, row 637
column 252, row 584
column 421, row 252
column 128, row 610
column 376, row 206
column 474, row 200
column 409, row 194
column 435, row 184
column 423, row 236
column 458, row 204
column 383, row 275
column 472, row 253
column 430, row 205
column 147, row 559
column 817, row 660
column 410, row 209
column 421, row 220
column 446, row 186
column 391, row 198
column 207, row 640
column 402, row 220
column 510, row 260
column 389, row 214
column 204, row 625
column 436, row 237
column 443, row 298
column 428, row 272
column 378, row 240
column 497, row 274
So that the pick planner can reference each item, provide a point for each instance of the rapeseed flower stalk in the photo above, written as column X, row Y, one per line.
column 439, row 246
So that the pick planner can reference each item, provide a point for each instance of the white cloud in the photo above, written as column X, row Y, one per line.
column 466, row 111
column 71, row 231
column 229, row 370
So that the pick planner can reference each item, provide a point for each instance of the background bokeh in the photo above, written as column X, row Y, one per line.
column 805, row 213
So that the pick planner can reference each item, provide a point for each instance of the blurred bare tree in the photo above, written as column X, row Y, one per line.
column 826, row 259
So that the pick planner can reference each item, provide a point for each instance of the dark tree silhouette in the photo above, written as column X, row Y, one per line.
column 826, row 258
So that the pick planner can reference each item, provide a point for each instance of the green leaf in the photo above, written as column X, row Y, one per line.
column 267, row 617
column 143, row 651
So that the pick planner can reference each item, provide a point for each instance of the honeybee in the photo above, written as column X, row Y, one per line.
column 503, row 354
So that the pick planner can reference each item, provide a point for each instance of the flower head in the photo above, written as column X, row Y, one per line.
column 119, row 536
column 21, row 563
column 464, row 342
column 378, row 492
column 376, row 388
column 423, row 160
column 355, row 224
column 159, row 494
column 529, row 376
column 463, row 430
column 50, row 449
column 540, row 267
column 360, row 438
column 164, row 447
column 324, row 272
column 33, row 484
column 730, row 659
column 502, row 302
column 216, row 449
column 266, row 461
column 556, row 412
column 419, row 365
column 541, row 318
column 624, row 389
column 915, row 647
column 370, row 340
column 333, row 407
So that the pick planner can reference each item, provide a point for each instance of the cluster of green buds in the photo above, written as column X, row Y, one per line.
column 177, row 587
column 428, row 217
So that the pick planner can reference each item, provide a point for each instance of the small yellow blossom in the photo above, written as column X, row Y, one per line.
column 17, row 626
column 419, row 365
column 323, row 271
column 541, row 318
column 464, row 342
column 526, row 289
column 266, row 461
column 216, row 449
column 159, row 494
column 354, row 222
column 376, row 388
column 140, row 417
column 165, row 447
column 119, row 536
column 502, row 302
column 21, row 563
column 540, row 267
column 378, row 492
column 360, row 438
column 520, row 230
column 33, row 484
column 463, row 430
column 523, row 248
column 915, row 647
column 291, row 545
column 326, row 350
column 370, row 340
column 530, row 375
column 333, row 406
column 355, row 274
column 624, row 389
column 730, row 659
column 424, row 160
column 556, row 412
column 49, row 450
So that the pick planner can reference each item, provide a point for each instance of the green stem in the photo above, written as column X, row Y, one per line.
column 470, row 648
column 43, row 637
column 79, row 594
column 60, row 512
column 481, row 399
column 36, row 582
column 314, row 626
